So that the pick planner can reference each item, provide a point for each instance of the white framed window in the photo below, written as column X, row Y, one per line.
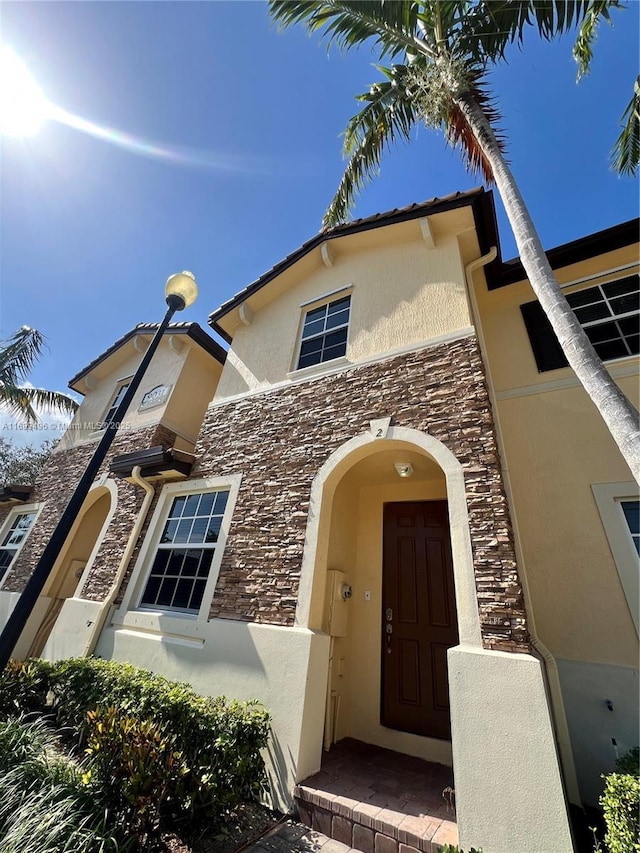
column 324, row 333
column 13, row 535
column 619, row 508
column 115, row 402
column 180, row 559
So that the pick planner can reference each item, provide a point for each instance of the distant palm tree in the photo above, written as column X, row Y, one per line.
column 446, row 48
column 17, row 357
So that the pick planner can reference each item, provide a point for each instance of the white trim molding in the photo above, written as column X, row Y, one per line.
column 159, row 620
column 608, row 497
column 5, row 527
column 339, row 463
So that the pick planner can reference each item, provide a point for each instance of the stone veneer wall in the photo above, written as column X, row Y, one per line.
column 278, row 440
column 55, row 486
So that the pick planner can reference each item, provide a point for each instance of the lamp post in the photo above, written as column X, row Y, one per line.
column 181, row 291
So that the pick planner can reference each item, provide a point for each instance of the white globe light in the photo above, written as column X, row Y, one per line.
column 183, row 285
column 23, row 107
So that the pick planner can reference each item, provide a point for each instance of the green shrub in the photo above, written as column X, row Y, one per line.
column 453, row 848
column 135, row 772
column 219, row 740
column 44, row 803
column 630, row 762
column 621, row 806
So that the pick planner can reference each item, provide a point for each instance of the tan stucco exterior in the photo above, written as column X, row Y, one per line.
column 190, row 373
column 556, row 452
column 403, row 293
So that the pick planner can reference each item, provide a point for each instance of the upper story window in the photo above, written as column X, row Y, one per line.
column 324, row 333
column 185, row 552
column 117, row 399
column 609, row 313
column 12, row 540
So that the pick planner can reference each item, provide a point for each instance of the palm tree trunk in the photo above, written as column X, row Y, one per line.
column 618, row 413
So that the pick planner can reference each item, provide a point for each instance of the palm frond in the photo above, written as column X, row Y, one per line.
column 391, row 26
column 17, row 357
column 51, row 401
column 19, row 354
column 15, row 401
column 387, row 117
column 626, row 152
column 492, row 25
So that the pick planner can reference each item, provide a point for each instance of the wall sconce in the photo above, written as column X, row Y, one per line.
column 403, row 469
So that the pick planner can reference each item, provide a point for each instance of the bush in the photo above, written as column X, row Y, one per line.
column 629, row 763
column 135, row 772
column 621, row 806
column 218, row 741
column 42, row 796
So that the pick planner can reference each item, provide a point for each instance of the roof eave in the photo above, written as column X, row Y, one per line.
column 484, row 214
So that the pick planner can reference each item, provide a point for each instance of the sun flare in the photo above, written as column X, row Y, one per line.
column 23, row 107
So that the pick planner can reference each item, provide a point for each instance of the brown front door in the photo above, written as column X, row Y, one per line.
column 418, row 618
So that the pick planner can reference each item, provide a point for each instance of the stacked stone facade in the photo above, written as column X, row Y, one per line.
column 54, row 488
column 279, row 439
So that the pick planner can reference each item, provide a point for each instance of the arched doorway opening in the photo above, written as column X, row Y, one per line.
column 385, row 550
column 76, row 557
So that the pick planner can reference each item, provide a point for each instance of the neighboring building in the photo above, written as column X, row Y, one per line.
column 390, row 514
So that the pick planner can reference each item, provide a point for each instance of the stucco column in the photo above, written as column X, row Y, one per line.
column 509, row 793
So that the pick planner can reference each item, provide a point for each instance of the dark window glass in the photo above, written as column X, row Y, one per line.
column 178, row 575
column 631, row 510
column 595, row 307
column 324, row 333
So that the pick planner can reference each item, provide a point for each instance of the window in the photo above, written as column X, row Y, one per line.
column 122, row 390
column 609, row 313
column 185, row 552
column 14, row 537
column 324, row 333
column 631, row 510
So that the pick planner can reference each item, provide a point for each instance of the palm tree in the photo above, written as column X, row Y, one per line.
column 17, row 357
column 445, row 48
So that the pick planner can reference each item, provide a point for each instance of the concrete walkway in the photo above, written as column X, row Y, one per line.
column 292, row 837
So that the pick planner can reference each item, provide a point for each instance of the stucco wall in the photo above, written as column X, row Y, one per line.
column 556, row 448
column 402, row 293
column 191, row 374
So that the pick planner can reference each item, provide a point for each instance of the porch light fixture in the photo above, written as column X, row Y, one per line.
column 180, row 291
column 403, row 469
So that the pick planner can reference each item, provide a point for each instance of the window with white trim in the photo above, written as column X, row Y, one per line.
column 12, row 540
column 609, row 313
column 185, row 552
column 324, row 332
column 117, row 399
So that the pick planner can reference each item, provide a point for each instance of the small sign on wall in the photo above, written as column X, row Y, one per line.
column 156, row 397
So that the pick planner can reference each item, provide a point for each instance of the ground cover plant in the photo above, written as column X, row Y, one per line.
column 620, row 803
column 148, row 755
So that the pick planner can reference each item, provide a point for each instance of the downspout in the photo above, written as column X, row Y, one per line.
column 550, row 666
column 98, row 624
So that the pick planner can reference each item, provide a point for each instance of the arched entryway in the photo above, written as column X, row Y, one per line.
column 395, row 543
column 76, row 557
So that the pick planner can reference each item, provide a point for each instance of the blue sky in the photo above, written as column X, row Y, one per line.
column 252, row 120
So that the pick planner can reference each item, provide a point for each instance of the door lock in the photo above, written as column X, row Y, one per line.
column 388, row 614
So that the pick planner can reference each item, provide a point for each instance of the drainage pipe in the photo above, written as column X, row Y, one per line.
column 98, row 624
column 550, row 666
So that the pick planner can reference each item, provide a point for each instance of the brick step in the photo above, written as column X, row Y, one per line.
column 370, row 827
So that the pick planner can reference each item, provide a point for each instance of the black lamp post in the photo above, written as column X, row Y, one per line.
column 181, row 291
